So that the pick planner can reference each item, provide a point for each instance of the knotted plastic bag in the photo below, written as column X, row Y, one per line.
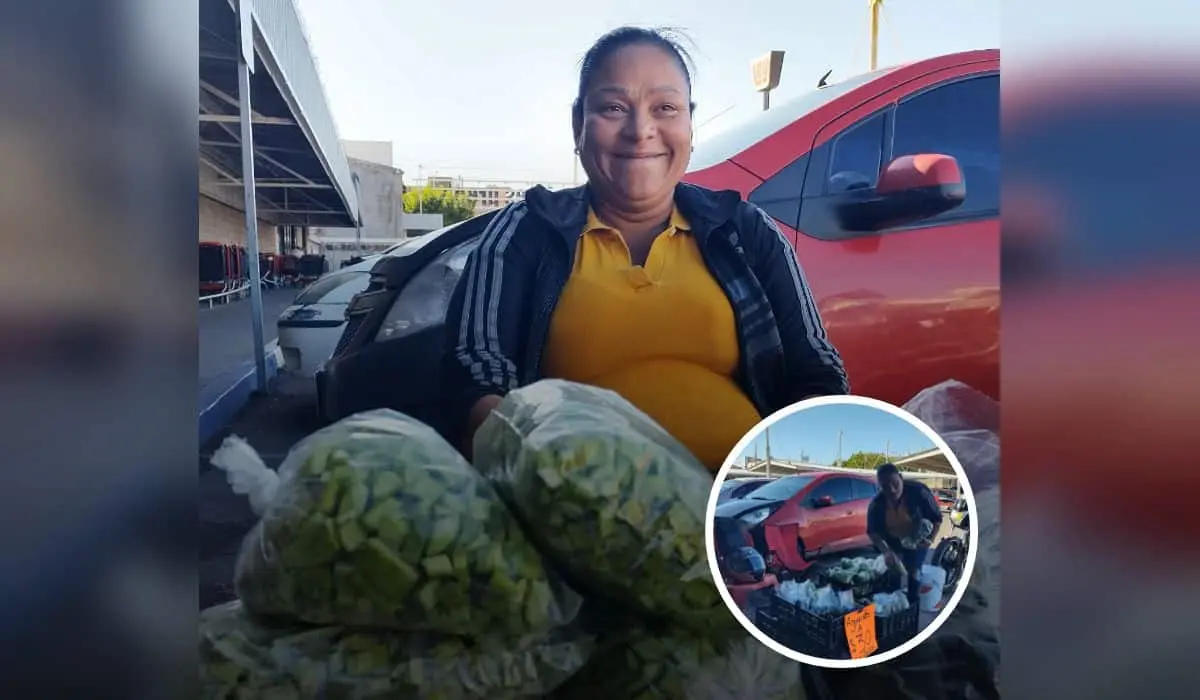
column 245, row 657
column 377, row 521
column 608, row 496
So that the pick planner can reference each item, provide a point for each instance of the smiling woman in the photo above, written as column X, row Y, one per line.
column 687, row 302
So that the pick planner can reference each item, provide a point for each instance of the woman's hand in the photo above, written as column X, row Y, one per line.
column 479, row 413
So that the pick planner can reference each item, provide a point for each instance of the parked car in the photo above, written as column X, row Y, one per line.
column 908, row 305
column 945, row 498
column 309, row 329
column 795, row 519
column 732, row 489
column 390, row 351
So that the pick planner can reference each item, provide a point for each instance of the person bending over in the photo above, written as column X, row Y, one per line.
column 901, row 522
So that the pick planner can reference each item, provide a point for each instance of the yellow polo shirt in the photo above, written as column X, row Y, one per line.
column 662, row 335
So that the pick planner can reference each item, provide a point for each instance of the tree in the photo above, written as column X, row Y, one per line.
column 454, row 206
column 865, row 460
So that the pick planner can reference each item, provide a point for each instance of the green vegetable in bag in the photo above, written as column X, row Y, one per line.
column 376, row 521
column 607, row 495
column 678, row 665
column 243, row 658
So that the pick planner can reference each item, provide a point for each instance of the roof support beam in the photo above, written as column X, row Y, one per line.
column 233, row 119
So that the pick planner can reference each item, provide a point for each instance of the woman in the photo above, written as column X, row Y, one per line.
column 687, row 302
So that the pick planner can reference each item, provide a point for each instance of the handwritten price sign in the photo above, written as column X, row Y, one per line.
column 860, row 632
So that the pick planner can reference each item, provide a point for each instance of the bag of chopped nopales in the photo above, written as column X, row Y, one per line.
column 244, row 657
column 376, row 521
column 641, row 664
column 607, row 495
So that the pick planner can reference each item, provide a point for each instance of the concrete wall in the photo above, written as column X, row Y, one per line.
column 222, row 218
column 420, row 224
column 381, row 189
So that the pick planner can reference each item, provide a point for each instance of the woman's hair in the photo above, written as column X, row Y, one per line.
column 618, row 39
column 885, row 470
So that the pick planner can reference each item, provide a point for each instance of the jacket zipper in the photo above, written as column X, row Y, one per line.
column 540, row 331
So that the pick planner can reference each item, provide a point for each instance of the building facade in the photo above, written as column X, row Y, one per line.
column 486, row 195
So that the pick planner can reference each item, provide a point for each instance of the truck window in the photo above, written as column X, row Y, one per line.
column 960, row 119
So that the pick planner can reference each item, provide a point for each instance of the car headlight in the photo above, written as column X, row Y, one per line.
column 423, row 301
column 756, row 516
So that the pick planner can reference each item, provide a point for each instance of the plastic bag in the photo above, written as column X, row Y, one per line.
column 679, row 665
column 887, row 604
column 800, row 593
column 241, row 657
column 825, row 602
column 607, row 495
column 962, row 658
column 377, row 521
column 846, row 601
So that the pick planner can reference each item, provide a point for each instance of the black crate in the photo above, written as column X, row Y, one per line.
column 813, row 634
column 897, row 628
column 824, row 636
column 778, row 630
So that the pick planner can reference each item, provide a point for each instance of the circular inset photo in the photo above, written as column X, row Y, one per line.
column 839, row 531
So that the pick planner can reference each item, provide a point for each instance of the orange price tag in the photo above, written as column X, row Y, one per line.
column 860, row 632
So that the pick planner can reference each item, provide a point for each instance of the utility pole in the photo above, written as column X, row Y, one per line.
column 875, row 6
column 839, row 453
column 767, row 437
column 887, row 451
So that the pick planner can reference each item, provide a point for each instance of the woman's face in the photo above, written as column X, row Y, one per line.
column 636, row 135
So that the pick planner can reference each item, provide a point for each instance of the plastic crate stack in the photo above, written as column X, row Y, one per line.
column 824, row 636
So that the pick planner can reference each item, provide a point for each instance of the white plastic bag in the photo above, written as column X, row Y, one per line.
column 846, row 601
column 825, row 602
column 887, row 604
column 798, row 593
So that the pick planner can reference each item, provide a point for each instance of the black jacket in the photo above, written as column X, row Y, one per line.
column 919, row 500
column 499, row 315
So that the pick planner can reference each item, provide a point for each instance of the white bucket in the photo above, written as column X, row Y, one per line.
column 932, row 582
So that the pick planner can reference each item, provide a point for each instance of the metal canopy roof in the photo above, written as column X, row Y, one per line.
column 292, row 182
column 928, row 461
column 932, row 463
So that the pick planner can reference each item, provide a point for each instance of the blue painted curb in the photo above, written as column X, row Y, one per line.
column 219, row 405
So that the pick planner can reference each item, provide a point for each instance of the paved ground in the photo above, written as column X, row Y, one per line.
column 271, row 424
column 226, row 335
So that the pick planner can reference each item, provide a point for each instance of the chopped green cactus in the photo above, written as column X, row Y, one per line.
column 378, row 522
column 609, row 497
column 244, row 657
column 639, row 664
